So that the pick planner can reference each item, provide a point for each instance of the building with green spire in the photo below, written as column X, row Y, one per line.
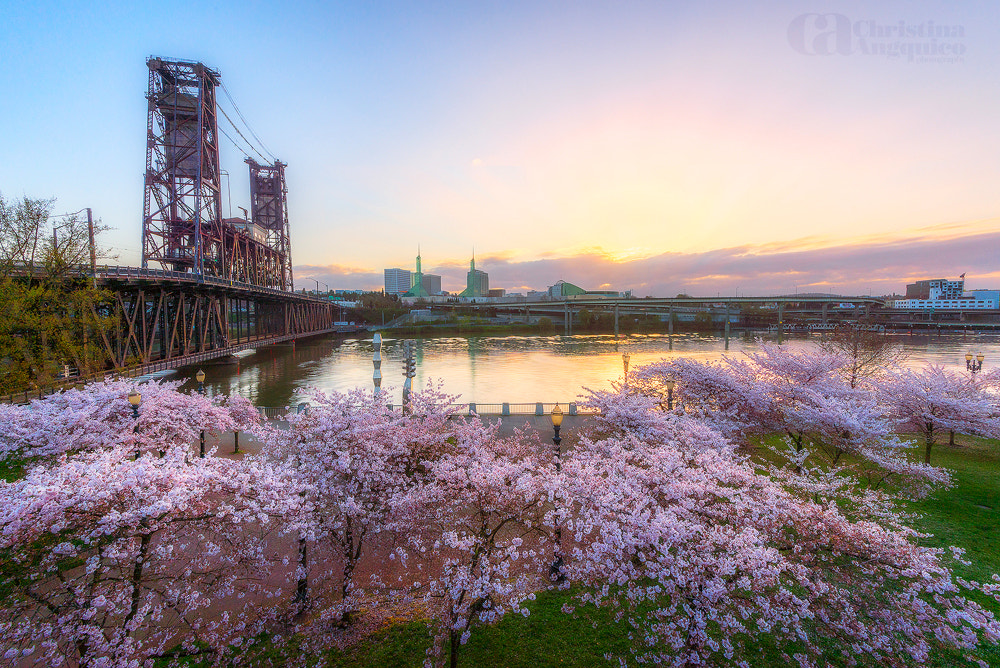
column 417, row 289
column 477, row 283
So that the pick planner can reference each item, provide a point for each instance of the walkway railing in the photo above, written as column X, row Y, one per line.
column 503, row 409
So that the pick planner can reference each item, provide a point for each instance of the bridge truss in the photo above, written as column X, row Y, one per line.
column 169, row 316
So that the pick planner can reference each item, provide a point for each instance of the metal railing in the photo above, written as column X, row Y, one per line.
column 153, row 367
column 505, row 409
column 114, row 271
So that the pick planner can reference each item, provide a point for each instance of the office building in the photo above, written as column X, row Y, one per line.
column 397, row 281
column 432, row 284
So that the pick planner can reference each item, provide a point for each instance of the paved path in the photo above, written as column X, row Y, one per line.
column 571, row 426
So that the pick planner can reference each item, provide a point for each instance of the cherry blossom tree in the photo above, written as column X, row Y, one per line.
column 869, row 354
column 698, row 551
column 808, row 396
column 933, row 399
column 111, row 561
column 483, row 517
column 100, row 414
column 353, row 457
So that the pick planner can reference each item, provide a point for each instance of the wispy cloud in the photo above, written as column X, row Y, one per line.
column 881, row 264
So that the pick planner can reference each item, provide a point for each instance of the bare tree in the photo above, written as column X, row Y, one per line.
column 869, row 354
column 21, row 225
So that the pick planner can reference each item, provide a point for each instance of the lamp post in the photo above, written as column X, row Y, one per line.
column 409, row 371
column 625, row 360
column 134, row 399
column 670, row 394
column 555, row 571
column 200, row 377
column 317, row 285
column 377, row 362
column 974, row 365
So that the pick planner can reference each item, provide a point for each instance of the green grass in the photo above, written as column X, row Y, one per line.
column 11, row 468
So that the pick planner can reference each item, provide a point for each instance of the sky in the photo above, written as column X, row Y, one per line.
column 659, row 147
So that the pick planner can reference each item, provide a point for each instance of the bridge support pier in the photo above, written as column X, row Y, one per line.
column 825, row 306
column 616, row 320
column 727, row 326
column 781, row 322
column 670, row 328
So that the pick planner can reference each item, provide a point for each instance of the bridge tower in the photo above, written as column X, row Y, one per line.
column 182, row 228
column 269, row 213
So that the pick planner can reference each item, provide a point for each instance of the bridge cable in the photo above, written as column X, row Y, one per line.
column 243, row 118
column 241, row 135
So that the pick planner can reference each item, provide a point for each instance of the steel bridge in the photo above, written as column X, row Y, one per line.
column 223, row 284
column 208, row 286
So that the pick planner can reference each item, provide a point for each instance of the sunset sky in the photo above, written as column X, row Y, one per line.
column 700, row 147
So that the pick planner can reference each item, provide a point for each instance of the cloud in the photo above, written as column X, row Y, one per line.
column 880, row 264
column 338, row 277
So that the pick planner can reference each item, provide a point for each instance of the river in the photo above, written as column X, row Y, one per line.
column 515, row 369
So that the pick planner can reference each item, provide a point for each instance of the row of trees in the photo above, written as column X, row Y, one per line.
column 119, row 544
column 50, row 317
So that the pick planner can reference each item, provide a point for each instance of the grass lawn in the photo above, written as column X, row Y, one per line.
column 967, row 515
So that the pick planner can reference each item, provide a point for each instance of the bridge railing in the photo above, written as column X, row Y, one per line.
column 147, row 369
column 117, row 271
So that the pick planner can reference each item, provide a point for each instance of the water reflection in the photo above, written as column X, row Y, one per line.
column 517, row 369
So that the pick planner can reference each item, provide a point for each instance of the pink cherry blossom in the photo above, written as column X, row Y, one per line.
column 115, row 559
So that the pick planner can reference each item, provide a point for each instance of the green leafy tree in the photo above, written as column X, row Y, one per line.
column 51, row 315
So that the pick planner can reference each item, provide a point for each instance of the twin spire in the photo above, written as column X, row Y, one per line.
column 473, row 284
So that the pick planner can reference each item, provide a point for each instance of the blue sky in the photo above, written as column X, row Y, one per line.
column 638, row 145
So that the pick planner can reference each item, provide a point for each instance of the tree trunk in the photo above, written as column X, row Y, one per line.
column 929, row 442
column 345, row 583
column 302, row 586
column 453, row 659
column 140, row 561
column 81, row 650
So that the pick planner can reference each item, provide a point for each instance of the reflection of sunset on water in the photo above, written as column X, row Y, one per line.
column 514, row 369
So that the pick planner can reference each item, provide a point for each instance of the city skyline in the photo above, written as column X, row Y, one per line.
column 659, row 148
column 879, row 264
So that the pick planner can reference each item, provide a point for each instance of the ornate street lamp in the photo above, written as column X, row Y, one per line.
column 134, row 399
column 974, row 365
column 625, row 359
column 200, row 377
column 555, row 571
column 670, row 394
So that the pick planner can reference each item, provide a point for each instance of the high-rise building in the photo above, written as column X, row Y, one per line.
column 432, row 284
column 397, row 281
